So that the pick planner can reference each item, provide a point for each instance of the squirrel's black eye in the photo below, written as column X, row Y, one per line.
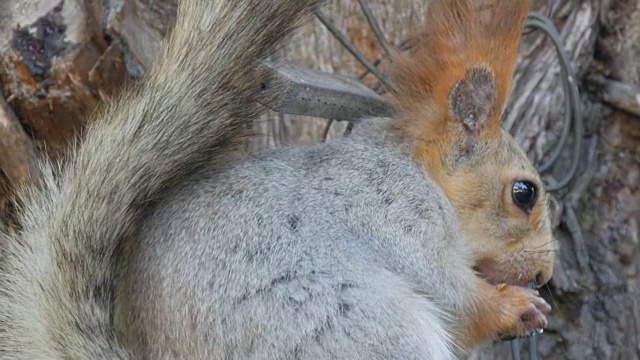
column 524, row 194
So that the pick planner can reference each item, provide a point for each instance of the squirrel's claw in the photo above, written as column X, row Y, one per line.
column 529, row 311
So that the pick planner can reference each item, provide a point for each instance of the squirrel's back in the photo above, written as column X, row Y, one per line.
column 300, row 251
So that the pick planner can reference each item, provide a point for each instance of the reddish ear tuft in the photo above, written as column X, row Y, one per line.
column 461, row 65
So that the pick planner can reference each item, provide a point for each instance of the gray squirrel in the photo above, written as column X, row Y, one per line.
column 412, row 238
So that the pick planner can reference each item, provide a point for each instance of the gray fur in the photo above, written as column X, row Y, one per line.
column 316, row 252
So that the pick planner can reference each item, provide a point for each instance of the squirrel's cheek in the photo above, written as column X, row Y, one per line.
column 490, row 271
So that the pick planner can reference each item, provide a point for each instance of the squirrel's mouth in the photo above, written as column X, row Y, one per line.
column 494, row 275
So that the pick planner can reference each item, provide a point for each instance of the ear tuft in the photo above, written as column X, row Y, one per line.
column 460, row 66
column 472, row 101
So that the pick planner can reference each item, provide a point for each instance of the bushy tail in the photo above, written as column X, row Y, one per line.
column 56, row 278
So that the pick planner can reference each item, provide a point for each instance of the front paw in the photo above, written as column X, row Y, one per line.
column 523, row 311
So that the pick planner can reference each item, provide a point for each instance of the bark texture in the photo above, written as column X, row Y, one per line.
column 68, row 57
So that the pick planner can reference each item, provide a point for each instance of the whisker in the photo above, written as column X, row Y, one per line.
column 544, row 244
column 553, row 299
column 554, row 251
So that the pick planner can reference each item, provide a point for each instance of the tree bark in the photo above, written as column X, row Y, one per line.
column 54, row 82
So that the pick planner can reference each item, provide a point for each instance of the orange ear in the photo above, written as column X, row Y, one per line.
column 456, row 80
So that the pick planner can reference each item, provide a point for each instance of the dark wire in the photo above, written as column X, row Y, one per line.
column 573, row 109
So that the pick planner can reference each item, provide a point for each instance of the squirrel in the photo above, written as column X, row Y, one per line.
column 414, row 237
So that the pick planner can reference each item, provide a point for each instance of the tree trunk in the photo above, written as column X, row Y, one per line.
column 86, row 50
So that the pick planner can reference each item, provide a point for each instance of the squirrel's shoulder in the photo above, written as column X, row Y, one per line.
column 369, row 159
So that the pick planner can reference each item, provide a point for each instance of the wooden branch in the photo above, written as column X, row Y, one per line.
column 625, row 97
column 56, row 66
column 18, row 155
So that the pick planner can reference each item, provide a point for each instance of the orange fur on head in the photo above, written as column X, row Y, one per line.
column 460, row 35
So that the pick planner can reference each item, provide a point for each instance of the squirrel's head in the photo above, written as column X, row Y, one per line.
column 452, row 89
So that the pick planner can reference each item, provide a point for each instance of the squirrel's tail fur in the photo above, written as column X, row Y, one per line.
column 57, row 274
